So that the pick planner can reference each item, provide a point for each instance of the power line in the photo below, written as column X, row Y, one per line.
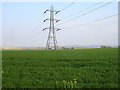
column 79, row 16
column 31, row 26
column 33, row 35
column 36, row 34
column 85, row 13
column 33, row 30
column 94, row 21
column 82, row 10
column 29, row 34
column 69, row 5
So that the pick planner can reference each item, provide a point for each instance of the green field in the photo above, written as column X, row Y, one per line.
column 82, row 68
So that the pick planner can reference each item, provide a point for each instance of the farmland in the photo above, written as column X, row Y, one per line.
column 80, row 68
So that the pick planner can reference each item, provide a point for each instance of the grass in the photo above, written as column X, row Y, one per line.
column 82, row 68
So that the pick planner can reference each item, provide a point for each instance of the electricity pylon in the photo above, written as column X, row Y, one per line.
column 52, row 41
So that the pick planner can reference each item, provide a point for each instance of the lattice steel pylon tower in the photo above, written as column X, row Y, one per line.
column 51, row 40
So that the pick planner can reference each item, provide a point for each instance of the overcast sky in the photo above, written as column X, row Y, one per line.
column 22, row 23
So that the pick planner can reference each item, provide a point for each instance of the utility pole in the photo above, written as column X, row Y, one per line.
column 51, row 40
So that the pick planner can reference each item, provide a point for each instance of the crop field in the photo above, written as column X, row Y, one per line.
column 77, row 68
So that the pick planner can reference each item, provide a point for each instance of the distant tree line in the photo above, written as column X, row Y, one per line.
column 119, row 46
column 105, row 46
column 67, row 48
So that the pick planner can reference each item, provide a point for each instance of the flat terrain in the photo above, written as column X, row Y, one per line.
column 82, row 68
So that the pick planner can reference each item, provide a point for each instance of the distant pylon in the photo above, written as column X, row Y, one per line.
column 52, row 41
column 12, row 37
